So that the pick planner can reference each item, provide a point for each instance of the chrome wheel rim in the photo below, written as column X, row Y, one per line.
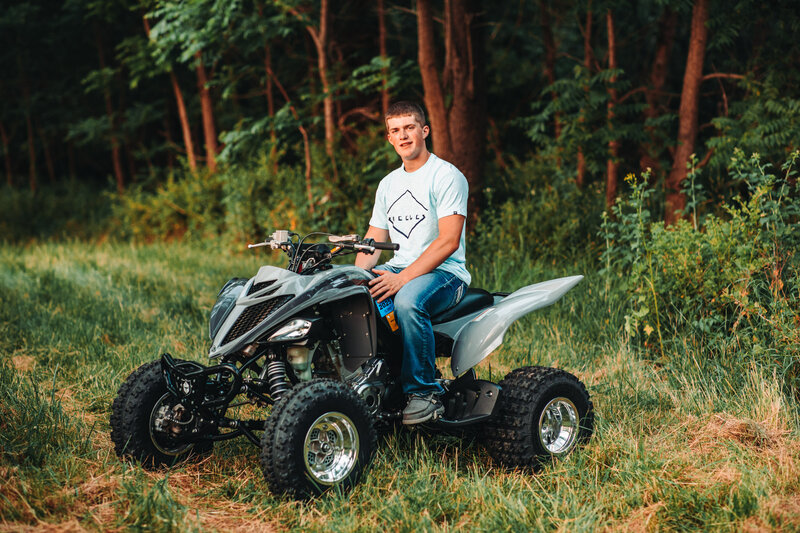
column 559, row 426
column 167, row 424
column 330, row 449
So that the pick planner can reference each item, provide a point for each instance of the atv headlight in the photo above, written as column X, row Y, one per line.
column 291, row 331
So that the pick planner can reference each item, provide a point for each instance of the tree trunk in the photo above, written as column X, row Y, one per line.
column 273, row 150
column 6, row 155
column 26, row 94
column 48, row 155
column 580, row 180
column 612, row 163
column 131, row 159
column 31, row 153
column 688, row 114
column 459, row 133
column 170, row 142
column 657, row 79
column 322, row 62
column 320, row 38
column 434, row 99
column 303, row 133
column 550, row 58
column 115, row 156
column 209, row 131
column 467, row 116
column 71, row 161
column 382, row 47
column 186, row 130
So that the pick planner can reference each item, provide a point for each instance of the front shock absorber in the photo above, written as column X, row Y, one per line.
column 276, row 378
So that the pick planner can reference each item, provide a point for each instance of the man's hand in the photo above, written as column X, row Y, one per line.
column 386, row 284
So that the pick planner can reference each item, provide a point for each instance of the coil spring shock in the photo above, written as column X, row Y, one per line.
column 276, row 377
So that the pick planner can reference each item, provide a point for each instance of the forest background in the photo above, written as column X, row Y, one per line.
column 651, row 145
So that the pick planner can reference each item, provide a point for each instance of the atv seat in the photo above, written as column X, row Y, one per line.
column 473, row 300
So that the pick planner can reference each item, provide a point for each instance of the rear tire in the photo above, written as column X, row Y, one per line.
column 319, row 435
column 543, row 414
column 137, row 414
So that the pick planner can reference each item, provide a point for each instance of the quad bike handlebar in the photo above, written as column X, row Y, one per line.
column 306, row 258
column 381, row 245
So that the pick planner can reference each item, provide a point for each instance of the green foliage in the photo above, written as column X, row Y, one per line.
column 674, row 446
column 66, row 210
column 41, row 427
column 536, row 212
column 766, row 121
column 189, row 203
column 248, row 200
column 152, row 506
column 580, row 108
column 730, row 286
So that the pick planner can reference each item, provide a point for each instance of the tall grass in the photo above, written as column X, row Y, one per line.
column 675, row 447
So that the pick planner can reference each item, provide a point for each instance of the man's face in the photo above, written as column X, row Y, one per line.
column 407, row 136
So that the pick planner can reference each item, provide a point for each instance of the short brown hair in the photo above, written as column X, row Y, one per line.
column 405, row 108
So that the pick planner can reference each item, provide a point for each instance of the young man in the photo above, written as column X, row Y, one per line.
column 421, row 206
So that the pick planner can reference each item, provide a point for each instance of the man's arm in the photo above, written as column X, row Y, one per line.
column 388, row 283
column 365, row 261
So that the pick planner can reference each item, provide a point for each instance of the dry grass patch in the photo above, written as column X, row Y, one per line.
column 641, row 520
column 720, row 428
column 776, row 514
column 235, row 519
column 70, row 526
column 23, row 363
column 709, row 458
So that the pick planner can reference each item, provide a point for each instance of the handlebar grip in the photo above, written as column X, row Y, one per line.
column 386, row 246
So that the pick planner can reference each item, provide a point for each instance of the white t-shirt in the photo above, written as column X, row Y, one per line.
column 410, row 204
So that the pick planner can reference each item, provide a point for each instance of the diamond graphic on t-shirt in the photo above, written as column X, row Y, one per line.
column 406, row 213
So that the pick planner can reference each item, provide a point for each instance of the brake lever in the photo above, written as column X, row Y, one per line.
column 343, row 238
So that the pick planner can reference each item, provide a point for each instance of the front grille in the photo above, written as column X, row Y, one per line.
column 253, row 316
column 261, row 285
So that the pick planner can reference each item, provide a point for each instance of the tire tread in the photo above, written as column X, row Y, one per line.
column 511, row 435
column 278, row 442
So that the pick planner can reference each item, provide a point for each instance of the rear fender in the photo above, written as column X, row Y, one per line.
column 484, row 333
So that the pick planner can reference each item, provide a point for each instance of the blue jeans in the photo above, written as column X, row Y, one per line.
column 414, row 305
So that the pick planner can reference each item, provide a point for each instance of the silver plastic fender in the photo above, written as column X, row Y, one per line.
column 483, row 334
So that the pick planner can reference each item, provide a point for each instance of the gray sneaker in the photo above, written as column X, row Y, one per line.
column 422, row 408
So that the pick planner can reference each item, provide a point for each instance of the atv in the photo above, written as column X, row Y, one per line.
column 311, row 342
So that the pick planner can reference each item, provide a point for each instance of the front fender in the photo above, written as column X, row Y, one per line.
column 483, row 334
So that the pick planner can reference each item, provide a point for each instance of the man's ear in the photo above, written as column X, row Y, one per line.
column 425, row 131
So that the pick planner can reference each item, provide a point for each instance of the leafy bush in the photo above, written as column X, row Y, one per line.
column 249, row 200
column 729, row 285
column 67, row 209
column 184, row 203
column 541, row 214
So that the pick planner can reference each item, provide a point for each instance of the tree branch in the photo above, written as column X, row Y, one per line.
column 631, row 93
column 722, row 75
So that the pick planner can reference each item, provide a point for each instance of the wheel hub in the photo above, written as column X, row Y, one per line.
column 331, row 448
column 168, row 421
column 558, row 426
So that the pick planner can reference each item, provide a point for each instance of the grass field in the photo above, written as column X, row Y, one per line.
column 680, row 443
